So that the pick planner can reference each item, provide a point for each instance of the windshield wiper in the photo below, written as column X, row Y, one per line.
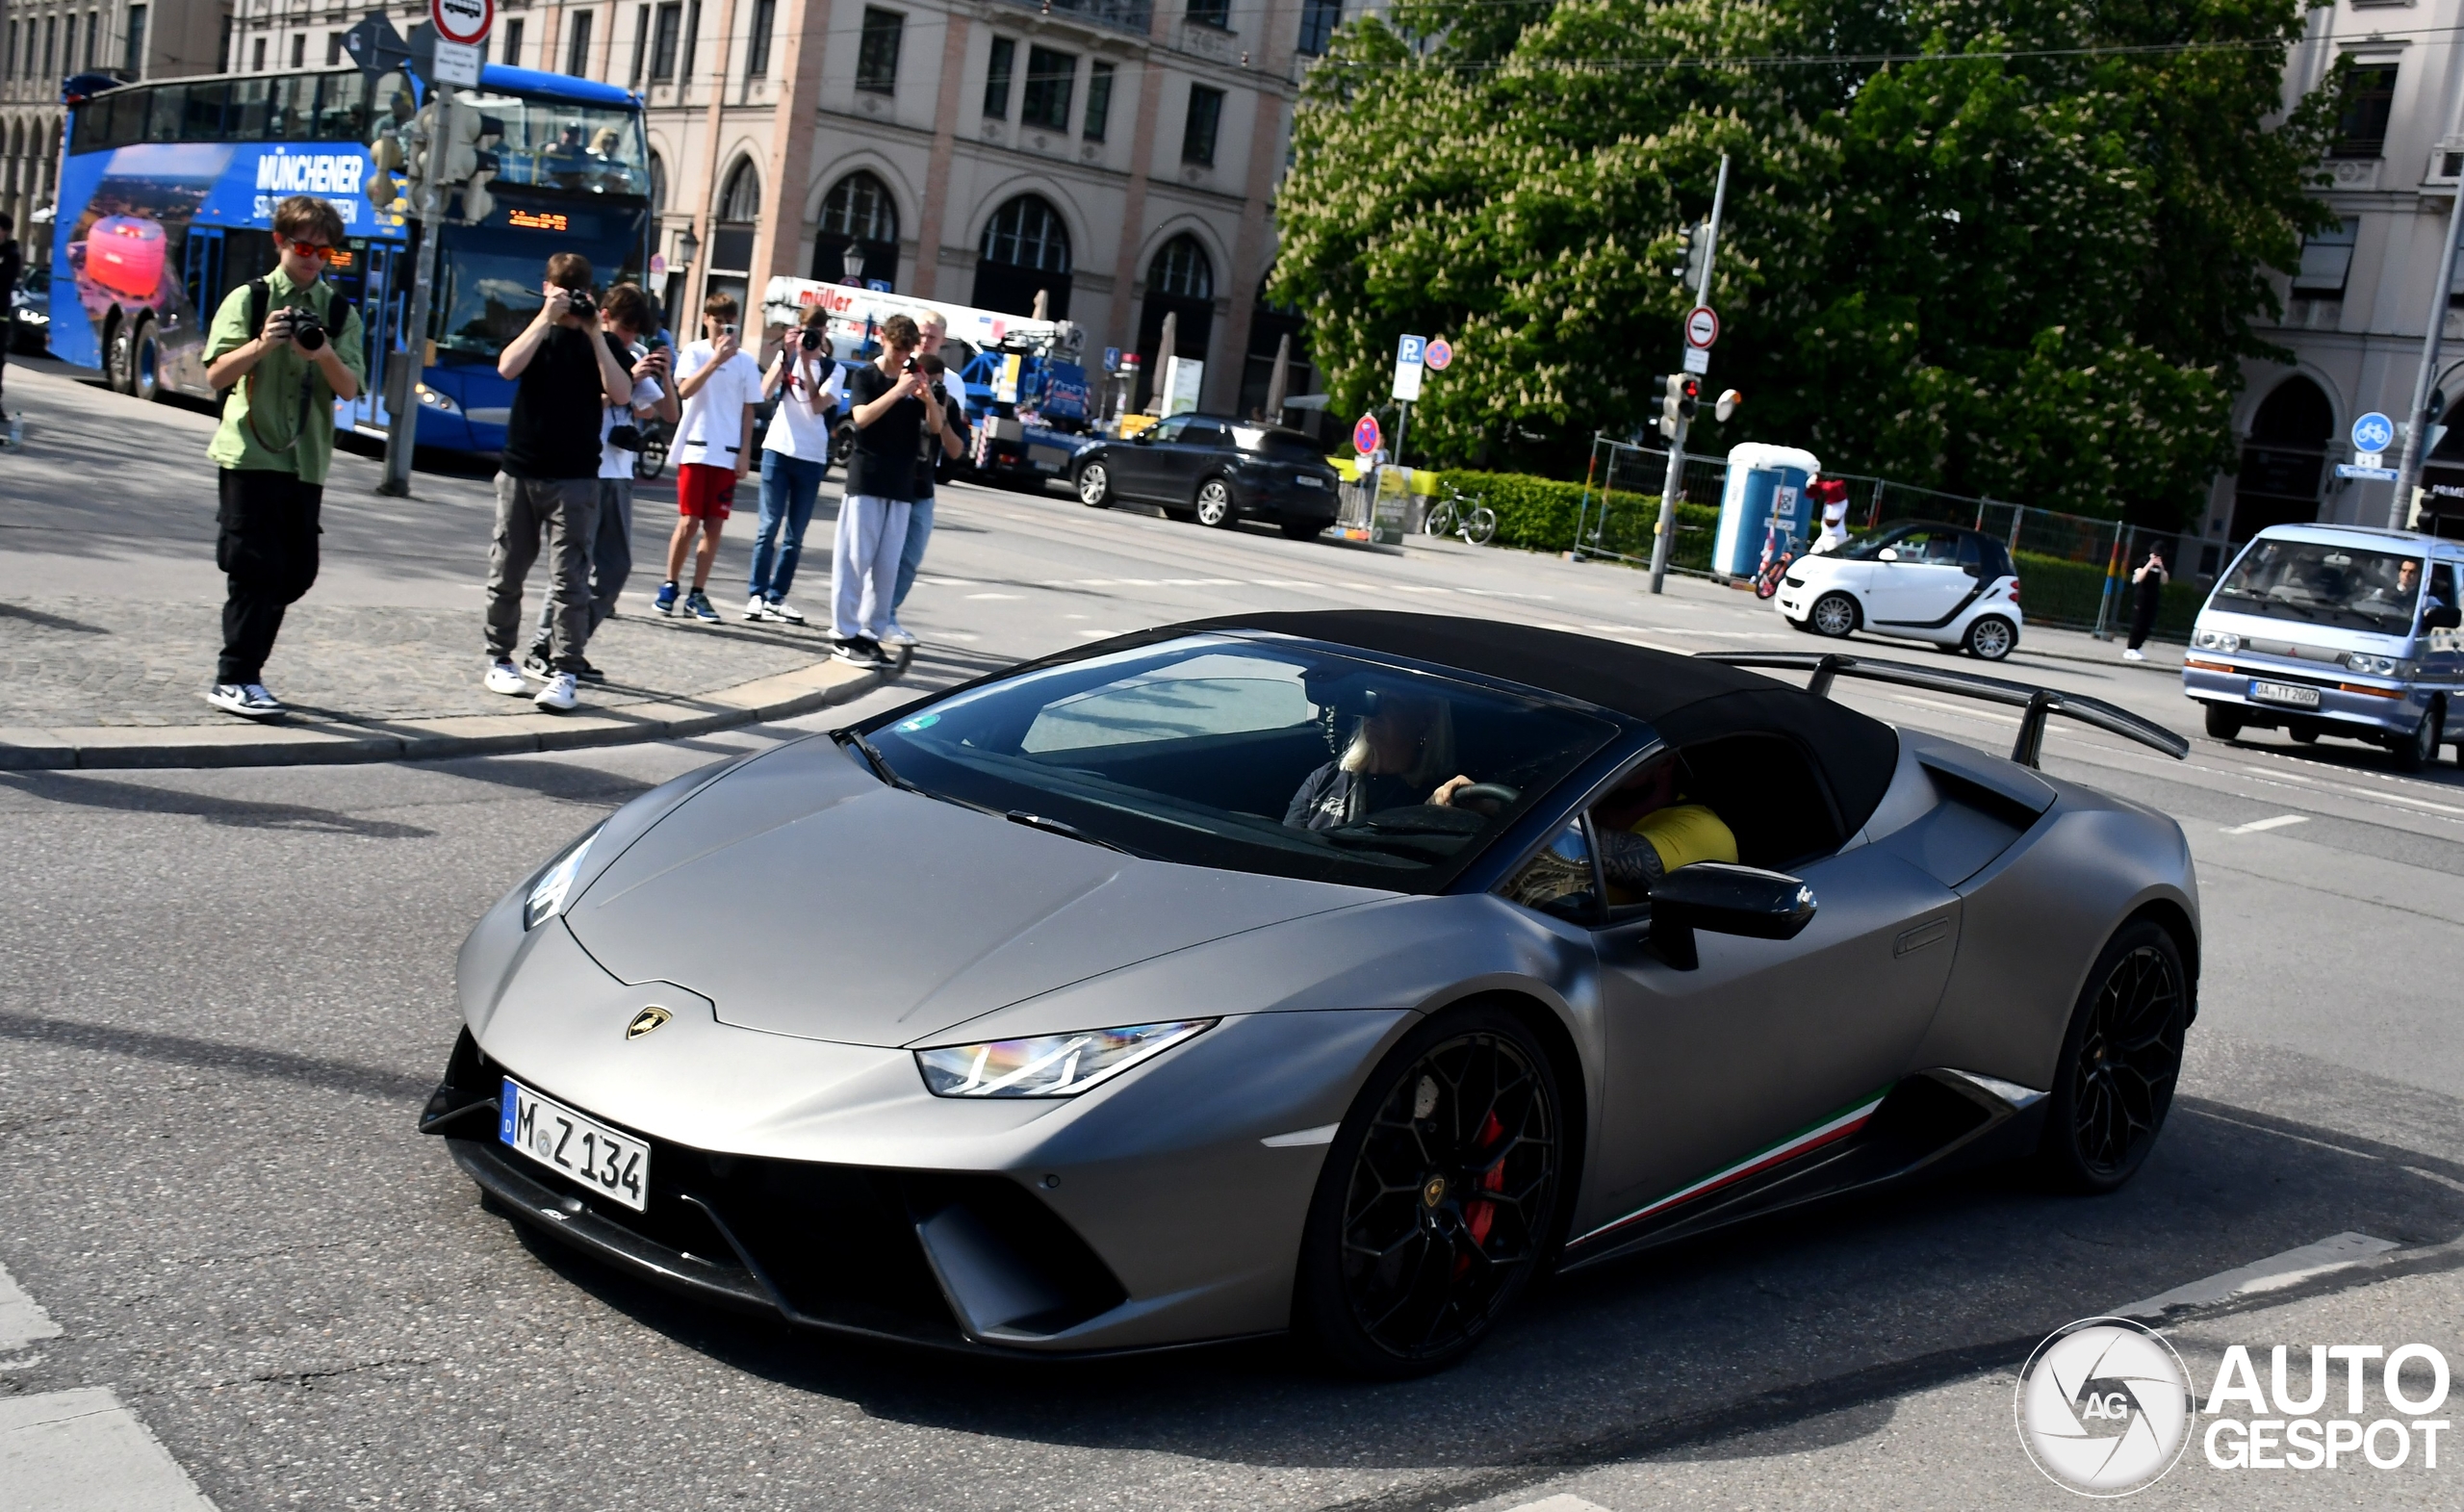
column 876, row 760
column 1058, row 827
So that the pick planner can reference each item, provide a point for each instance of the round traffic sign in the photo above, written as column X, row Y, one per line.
column 465, row 21
column 1702, row 325
column 1437, row 355
column 2373, row 432
column 1366, row 437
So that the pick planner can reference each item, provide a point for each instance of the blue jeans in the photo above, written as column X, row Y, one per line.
column 919, row 529
column 789, row 486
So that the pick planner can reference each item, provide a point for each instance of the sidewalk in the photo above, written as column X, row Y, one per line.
column 110, row 613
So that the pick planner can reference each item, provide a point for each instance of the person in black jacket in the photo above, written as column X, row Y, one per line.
column 12, row 268
column 2147, row 587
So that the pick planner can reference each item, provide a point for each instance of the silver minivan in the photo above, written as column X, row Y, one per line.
column 2335, row 631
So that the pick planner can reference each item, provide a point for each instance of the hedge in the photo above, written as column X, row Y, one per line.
column 2054, row 590
column 1538, row 514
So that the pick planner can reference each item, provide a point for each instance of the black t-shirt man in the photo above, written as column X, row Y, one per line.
column 557, row 405
column 883, row 465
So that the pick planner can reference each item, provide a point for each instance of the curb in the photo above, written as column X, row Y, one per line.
column 786, row 695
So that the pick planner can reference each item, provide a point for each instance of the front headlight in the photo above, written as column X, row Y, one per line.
column 1048, row 1066
column 2218, row 640
column 2372, row 666
column 436, row 401
column 547, row 897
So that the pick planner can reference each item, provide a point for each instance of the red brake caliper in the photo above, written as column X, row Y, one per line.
column 1480, row 1216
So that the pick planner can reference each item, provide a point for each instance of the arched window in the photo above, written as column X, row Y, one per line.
column 857, row 212
column 1180, row 282
column 1026, row 252
column 659, row 188
column 729, row 259
column 742, row 202
column 2287, row 453
column 1182, row 269
column 1274, row 328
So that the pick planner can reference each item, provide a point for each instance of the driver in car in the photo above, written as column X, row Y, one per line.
column 1649, row 828
column 1393, row 762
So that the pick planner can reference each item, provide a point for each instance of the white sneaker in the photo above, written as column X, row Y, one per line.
column 782, row 610
column 248, row 701
column 2134, row 654
column 897, row 635
column 758, row 607
column 503, row 677
column 559, row 694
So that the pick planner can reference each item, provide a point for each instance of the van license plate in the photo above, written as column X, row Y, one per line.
column 2292, row 693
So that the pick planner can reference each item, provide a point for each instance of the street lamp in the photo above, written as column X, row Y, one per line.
column 687, row 245
column 851, row 262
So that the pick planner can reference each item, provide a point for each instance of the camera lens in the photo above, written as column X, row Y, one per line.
column 810, row 341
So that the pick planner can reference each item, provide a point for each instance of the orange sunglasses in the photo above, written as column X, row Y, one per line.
column 310, row 249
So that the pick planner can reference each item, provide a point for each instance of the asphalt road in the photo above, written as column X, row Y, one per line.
column 223, row 994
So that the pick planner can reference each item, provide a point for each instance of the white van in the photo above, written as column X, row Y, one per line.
column 2335, row 631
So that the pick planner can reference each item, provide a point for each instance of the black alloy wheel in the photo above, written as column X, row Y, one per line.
column 2419, row 749
column 1095, row 485
column 1438, row 1201
column 1215, row 505
column 2115, row 1081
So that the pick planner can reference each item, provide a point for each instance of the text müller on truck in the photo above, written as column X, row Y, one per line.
column 2334, row 630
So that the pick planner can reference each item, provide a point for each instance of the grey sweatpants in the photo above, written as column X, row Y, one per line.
column 611, row 557
column 567, row 511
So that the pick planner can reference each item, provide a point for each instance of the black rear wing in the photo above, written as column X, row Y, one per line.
column 2037, row 703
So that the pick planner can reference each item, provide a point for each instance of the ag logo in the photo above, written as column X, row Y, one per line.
column 646, row 1020
column 2104, row 1407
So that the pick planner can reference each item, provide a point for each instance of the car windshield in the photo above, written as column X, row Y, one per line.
column 1259, row 757
column 2343, row 587
column 1910, row 543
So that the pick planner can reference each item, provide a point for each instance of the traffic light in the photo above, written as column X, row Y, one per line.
column 1685, row 249
column 462, row 161
column 1676, row 407
column 1697, row 248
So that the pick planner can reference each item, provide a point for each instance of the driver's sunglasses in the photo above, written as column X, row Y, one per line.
column 310, row 249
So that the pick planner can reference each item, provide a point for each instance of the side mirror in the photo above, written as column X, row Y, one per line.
column 2445, row 617
column 1888, row 553
column 1144, row 438
column 1725, row 900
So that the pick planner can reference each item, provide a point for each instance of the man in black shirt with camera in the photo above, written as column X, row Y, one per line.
column 565, row 376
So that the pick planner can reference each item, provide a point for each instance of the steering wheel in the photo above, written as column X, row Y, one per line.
column 1487, row 792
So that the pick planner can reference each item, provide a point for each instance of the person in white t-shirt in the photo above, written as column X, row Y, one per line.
column 720, row 386
column 794, row 456
column 625, row 317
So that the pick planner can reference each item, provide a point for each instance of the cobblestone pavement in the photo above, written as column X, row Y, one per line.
column 103, row 661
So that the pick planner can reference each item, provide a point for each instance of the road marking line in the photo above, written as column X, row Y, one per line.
column 1136, row 582
column 1409, row 587
column 1286, row 582
column 1095, row 583
column 2335, row 1252
column 996, row 596
column 22, row 1320
column 2255, row 826
column 60, row 1451
column 1561, row 1502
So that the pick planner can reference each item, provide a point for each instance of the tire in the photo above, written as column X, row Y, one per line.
column 1440, row 519
column 1302, row 529
column 1095, row 485
column 2419, row 749
column 2114, row 1083
column 2302, row 731
column 116, row 362
column 144, row 364
column 1480, row 526
column 651, row 460
column 2223, row 722
column 1991, row 637
column 1215, row 506
column 1834, row 615
column 1391, row 1193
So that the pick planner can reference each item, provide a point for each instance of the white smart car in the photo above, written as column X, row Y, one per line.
column 1943, row 583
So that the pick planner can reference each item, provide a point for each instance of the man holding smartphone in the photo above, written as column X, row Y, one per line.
column 720, row 386
column 565, row 375
column 281, row 350
column 794, row 457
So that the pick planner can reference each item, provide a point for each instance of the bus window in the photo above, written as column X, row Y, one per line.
column 201, row 110
column 249, row 107
column 341, row 108
column 564, row 144
column 167, row 105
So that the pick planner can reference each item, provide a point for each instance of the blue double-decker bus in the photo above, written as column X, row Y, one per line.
column 166, row 191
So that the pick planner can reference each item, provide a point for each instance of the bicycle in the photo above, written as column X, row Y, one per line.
column 1775, row 563
column 651, row 460
column 1459, row 514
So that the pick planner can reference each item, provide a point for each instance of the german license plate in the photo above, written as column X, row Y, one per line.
column 2292, row 693
column 581, row 1148
column 1307, row 481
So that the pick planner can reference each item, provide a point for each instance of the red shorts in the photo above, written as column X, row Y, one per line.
column 705, row 492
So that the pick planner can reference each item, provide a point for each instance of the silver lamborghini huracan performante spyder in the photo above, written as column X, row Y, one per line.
column 1336, row 972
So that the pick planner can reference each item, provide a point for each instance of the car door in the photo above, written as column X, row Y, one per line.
column 1138, row 465
column 1924, row 585
column 1201, row 445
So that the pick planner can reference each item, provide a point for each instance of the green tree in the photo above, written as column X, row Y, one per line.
column 2023, row 259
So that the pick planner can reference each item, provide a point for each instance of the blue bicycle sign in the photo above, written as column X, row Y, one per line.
column 2373, row 432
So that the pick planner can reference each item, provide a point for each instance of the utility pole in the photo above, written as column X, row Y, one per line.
column 1666, row 535
column 402, row 424
column 2408, row 461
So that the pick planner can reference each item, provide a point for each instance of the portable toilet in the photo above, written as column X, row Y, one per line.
column 1764, row 483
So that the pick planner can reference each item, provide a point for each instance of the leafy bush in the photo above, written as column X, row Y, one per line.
column 1538, row 514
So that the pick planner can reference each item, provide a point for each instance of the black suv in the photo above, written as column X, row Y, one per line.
column 1213, row 470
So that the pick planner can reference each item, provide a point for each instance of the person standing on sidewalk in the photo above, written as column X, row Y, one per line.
column 625, row 317
column 2147, row 587
column 794, row 457
column 12, row 268
column 720, row 386
column 892, row 420
column 565, row 375
column 949, row 392
column 281, row 350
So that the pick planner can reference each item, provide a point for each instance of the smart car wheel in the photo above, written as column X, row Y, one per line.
column 1215, row 505
column 1991, row 637
column 2419, row 749
column 2115, row 1081
column 1095, row 485
column 1438, row 1199
column 1834, row 614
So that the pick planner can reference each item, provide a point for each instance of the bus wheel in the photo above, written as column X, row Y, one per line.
column 115, row 363
column 144, row 362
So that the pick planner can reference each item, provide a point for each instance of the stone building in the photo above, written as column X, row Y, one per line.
column 45, row 41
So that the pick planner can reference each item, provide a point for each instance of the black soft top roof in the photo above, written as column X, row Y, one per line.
column 1688, row 701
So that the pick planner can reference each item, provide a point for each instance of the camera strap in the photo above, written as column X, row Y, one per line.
column 260, row 305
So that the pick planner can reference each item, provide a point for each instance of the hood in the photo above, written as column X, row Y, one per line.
column 802, row 897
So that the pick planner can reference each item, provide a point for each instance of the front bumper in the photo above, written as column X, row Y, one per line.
column 2219, row 681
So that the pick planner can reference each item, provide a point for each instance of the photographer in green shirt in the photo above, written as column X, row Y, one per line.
column 282, row 350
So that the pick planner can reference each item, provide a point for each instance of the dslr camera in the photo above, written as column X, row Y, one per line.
column 808, row 339
column 306, row 330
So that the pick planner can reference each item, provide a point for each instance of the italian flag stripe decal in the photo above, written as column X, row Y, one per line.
column 1814, row 1136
